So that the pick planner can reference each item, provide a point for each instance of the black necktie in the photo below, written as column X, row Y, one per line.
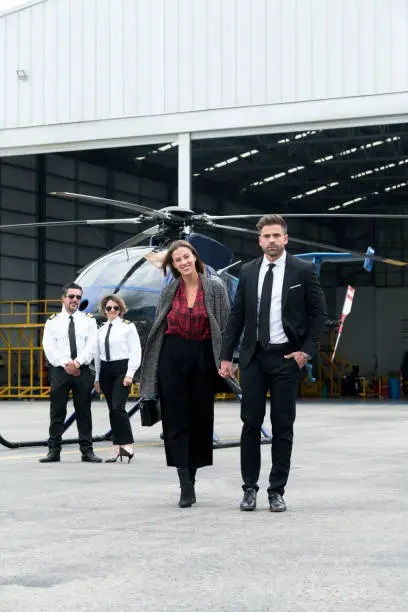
column 71, row 336
column 265, row 308
column 107, row 350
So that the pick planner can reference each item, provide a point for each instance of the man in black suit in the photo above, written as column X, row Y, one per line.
column 281, row 306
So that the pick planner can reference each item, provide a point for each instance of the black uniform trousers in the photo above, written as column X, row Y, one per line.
column 187, row 390
column 111, row 380
column 81, row 386
column 268, row 370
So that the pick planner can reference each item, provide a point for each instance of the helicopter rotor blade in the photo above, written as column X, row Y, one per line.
column 133, row 221
column 311, row 216
column 134, row 208
column 230, row 228
column 321, row 245
column 330, row 247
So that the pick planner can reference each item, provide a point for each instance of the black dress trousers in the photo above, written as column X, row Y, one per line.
column 268, row 370
column 187, row 389
column 81, row 387
column 111, row 380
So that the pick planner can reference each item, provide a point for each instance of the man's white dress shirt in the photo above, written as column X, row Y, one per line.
column 56, row 341
column 277, row 334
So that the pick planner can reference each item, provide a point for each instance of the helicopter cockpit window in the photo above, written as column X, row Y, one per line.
column 110, row 270
column 146, row 277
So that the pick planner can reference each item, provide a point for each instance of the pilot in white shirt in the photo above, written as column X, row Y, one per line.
column 118, row 356
column 56, row 340
column 69, row 344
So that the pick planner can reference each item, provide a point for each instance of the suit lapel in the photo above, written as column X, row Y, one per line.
column 288, row 278
column 253, row 287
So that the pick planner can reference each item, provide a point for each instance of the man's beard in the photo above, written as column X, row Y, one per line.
column 274, row 251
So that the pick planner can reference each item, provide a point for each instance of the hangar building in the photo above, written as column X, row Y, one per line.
column 222, row 106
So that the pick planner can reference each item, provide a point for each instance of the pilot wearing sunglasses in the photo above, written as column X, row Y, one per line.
column 118, row 356
column 69, row 344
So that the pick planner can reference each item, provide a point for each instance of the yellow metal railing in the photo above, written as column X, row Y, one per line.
column 22, row 366
column 23, row 371
column 26, row 312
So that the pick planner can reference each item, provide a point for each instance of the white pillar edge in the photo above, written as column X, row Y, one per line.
column 184, row 170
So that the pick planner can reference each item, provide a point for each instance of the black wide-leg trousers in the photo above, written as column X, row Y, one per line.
column 81, row 387
column 111, row 380
column 268, row 370
column 187, row 389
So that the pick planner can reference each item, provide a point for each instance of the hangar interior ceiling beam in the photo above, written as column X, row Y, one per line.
column 312, row 171
column 316, row 168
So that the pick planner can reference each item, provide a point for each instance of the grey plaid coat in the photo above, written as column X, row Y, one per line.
column 218, row 307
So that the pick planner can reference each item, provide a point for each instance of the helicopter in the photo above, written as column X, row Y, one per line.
column 134, row 271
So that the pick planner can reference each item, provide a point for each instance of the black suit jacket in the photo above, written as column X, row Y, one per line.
column 304, row 310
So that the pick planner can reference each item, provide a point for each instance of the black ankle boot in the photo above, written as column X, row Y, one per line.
column 187, row 497
column 192, row 472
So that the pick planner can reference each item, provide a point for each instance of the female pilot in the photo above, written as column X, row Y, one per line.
column 118, row 356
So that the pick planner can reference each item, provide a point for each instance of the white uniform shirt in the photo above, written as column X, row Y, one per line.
column 277, row 334
column 56, row 341
column 124, row 343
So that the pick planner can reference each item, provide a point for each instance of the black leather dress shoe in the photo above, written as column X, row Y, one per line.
column 90, row 457
column 52, row 457
column 249, row 500
column 276, row 503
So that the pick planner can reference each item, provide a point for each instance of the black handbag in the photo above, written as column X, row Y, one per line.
column 150, row 412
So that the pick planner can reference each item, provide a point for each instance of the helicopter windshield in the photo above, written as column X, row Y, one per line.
column 109, row 270
column 129, row 274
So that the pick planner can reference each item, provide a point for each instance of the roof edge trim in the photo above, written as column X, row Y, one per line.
column 21, row 7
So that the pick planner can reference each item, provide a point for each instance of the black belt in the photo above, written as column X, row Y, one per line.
column 84, row 365
column 282, row 347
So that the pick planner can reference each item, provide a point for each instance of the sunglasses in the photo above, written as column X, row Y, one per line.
column 109, row 308
column 74, row 296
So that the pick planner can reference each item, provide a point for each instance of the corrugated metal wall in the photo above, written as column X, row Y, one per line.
column 65, row 249
column 97, row 59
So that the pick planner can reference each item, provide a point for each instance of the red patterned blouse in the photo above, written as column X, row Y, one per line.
column 190, row 323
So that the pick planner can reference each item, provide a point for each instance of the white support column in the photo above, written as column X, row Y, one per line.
column 184, row 170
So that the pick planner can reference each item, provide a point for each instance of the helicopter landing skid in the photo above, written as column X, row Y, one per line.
column 69, row 421
column 217, row 443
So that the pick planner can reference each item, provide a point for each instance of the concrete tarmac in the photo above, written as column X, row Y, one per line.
column 85, row 537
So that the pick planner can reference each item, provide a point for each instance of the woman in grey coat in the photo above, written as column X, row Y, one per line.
column 181, row 359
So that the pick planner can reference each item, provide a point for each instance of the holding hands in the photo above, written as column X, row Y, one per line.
column 226, row 369
column 127, row 381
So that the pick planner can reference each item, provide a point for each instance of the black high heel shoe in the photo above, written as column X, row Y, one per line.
column 113, row 459
column 125, row 453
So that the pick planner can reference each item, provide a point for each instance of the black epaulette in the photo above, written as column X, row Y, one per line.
column 126, row 321
column 54, row 314
column 90, row 315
